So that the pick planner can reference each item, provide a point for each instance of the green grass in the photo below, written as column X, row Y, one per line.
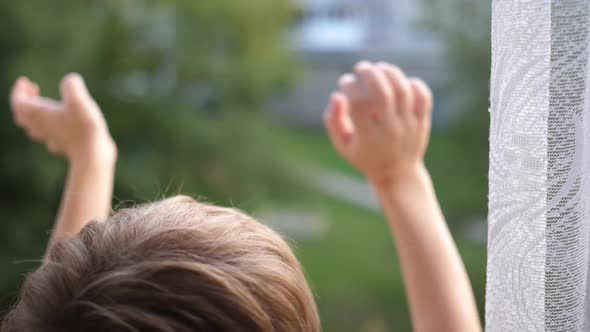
column 354, row 270
column 313, row 147
column 459, row 174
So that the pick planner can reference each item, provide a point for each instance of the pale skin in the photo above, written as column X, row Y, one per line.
column 379, row 121
column 74, row 128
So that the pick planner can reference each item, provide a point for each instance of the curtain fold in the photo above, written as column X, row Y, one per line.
column 539, row 178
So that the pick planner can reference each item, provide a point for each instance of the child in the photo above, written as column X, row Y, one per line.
column 180, row 265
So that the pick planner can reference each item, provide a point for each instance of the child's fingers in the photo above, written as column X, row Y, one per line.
column 21, row 107
column 53, row 147
column 19, row 118
column 423, row 98
column 358, row 101
column 74, row 92
column 43, row 104
column 338, row 122
column 23, row 88
column 28, row 87
column 349, row 86
column 31, row 87
column 37, row 107
column 377, row 86
column 17, row 92
column 341, row 109
column 24, row 99
column 35, row 134
column 400, row 85
column 34, row 113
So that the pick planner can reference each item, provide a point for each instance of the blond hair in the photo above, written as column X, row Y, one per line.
column 173, row 265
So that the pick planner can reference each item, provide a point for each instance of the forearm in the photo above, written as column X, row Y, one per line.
column 439, row 291
column 87, row 195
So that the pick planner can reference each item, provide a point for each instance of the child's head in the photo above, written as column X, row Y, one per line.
column 174, row 265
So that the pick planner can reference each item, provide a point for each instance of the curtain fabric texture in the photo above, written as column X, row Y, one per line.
column 539, row 178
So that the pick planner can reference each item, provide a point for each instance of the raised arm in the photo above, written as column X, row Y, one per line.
column 74, row 128
column 380, row 122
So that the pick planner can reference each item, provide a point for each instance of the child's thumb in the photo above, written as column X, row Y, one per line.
column 338, row 122
column 74, row 92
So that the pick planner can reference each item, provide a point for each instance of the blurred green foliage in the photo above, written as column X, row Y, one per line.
column 458, row 155
column 182, row 84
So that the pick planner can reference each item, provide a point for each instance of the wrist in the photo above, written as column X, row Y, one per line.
column 95, row 154
column 401, row 178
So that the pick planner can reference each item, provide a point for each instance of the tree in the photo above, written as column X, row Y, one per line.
column 463, row 26
column 181, row 84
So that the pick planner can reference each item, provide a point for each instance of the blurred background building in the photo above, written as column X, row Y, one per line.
column 329, row 36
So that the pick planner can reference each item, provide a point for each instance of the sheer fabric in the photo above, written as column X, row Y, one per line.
column 539, row 200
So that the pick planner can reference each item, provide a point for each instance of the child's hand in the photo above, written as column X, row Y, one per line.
column 73, row 127
column 380, row 121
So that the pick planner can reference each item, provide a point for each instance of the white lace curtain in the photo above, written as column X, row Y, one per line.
column 539, row 201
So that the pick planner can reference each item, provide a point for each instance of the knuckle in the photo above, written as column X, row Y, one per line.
column 403, row 95
column 359, row 94
column 361, row 105
column 396, row 71
column 362, row 66
column 422, row 87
